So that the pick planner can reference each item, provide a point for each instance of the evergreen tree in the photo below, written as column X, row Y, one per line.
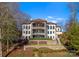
column 71, row 37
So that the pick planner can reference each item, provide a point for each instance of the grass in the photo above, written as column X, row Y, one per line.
column 41, row 52
column 45, row 45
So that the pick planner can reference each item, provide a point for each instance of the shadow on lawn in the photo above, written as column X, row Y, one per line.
column 18, row 44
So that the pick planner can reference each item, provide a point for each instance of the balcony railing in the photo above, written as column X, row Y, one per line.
column 38, row 33
column 38, row 25
column 39, row 28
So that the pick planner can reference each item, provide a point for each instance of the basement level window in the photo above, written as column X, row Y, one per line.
column 53, row 37
column 26, row 37
column 50, row 36
column 29, row 36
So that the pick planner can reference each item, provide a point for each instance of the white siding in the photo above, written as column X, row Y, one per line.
column 53, row 32
column 52, row 35
column 26, row 30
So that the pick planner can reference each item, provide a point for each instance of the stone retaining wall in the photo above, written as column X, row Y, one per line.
column 48, row 42
column 52, row 44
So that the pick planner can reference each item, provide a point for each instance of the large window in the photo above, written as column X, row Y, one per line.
column 50, row 27
column 53, row 37
column 26, row 32
column 26, row 27
column 53, row 32
column 50, row 36
column 53, row 27
column 23, row 26
column 50, row 32
column 29, row 32
column 29, row 36
column 29, row 27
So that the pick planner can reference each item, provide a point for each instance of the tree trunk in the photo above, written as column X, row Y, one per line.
column 0, row 44
column 0, row 49
column 7, row 46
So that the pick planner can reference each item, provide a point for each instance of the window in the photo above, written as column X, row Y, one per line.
column 50, row 32
column 53, row 32
column 50, row 27
column 29, row 32
column 53, row 27
column 29, row 36
column 26, row 27
column 23, row 31
column 29, row 27
column 26, row 37
column 58, row 29
column 50, row 36
column 26, row 32
column 53, row 37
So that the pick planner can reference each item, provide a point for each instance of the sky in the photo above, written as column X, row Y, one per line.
column 57, row 12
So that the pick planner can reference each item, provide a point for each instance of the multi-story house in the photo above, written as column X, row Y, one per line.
column 39, row 28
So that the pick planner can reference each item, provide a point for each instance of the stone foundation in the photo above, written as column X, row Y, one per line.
column 47, row 42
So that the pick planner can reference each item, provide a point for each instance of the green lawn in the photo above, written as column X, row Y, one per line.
column 41, row 52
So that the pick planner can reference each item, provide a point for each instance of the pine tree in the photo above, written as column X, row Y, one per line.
column 72, row 33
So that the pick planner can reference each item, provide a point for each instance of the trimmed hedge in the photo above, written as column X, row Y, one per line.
column 40, row 39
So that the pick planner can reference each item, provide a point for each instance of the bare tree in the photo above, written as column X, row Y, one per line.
column 19, row 16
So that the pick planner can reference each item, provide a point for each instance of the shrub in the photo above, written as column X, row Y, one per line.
column 41, row 39
column 35, row 49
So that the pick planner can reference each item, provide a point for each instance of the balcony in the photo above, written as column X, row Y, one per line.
column 38, row 33
column 58, row 33
column 38, row 24
column 38, row 28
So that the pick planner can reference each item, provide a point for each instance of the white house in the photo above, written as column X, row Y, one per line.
column 40, row 28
